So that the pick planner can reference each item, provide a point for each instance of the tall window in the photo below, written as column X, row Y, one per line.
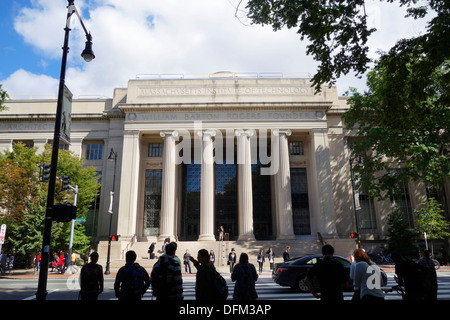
column 154, row 150
column 296, row 148
column 152, row 205
column 403, row 202
column 367, row 220
column 300, row 203
column 94, row 151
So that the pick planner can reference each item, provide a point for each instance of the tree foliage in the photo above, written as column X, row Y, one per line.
column 401, row 237
column 338, row 33
column 23, row 199
column 430, row 219
column 398, row 126
column 3, row 97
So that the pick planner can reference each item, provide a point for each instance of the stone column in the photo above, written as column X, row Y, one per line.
column 245, row 191
column 127, row 184
column 207, row 187
column 323, row 218
column 285, row 223
column 167, row 217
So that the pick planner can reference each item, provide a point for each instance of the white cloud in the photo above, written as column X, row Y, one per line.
column 24, row 85
column 162, row 37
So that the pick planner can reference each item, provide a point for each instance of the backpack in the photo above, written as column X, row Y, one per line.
column 220, row 285
column 133, row 280
column 159, row 280
column 89, row 277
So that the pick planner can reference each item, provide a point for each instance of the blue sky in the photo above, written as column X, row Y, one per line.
column 134, row 37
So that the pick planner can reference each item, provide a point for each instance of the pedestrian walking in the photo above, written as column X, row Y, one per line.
column 286, row 254
column 132, row 280
column 221, row 233
column 231, row 259
column 166, row 279
column 331, row 276
column 61, row 263
column 187, row 261
column 212, row 257
column 205, row 279
column 245, row 276
column 412, row 276
column 2, row 262
column 151, row 249
column 260, row 259
column 431, row 277
column 366, row 277
column 271, row 257
column 91, row 279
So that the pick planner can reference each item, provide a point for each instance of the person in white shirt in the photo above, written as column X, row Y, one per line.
column 366, row 277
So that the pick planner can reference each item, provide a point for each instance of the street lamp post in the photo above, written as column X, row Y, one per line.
column 355, row 205
column 112, row 157
column 88, row 55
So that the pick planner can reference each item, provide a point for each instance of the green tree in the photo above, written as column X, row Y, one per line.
column 3, row 97
column 400, row 129
column 25, row 226
column 430, row 219
column 401, row 237
column 338, row 33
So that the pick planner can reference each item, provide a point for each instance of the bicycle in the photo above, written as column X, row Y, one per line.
column 437, row 265
column 398, row 289
column 387, row 258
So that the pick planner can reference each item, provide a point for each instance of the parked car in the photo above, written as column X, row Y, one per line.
column 293, row 272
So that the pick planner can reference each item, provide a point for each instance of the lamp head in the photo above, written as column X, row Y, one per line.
column 112, row 155
column 88, row 53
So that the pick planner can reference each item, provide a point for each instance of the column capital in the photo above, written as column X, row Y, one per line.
column 206, row 134
column 242, row 132
column 278, row 132
column 172, row 133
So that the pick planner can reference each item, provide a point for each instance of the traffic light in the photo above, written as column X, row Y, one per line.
column 354, row 235
column 45, row 172
column 64, row 212
column 65, row 182
column 115, row 237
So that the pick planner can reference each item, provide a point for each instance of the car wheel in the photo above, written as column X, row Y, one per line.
column 301, row 285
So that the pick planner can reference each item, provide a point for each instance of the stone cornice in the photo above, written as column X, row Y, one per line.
column 217, row 107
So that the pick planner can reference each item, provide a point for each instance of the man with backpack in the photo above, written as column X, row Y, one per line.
column 166, row 279
column 91, row 279
column 412, row 276
column 209, row 284
column 132, row 280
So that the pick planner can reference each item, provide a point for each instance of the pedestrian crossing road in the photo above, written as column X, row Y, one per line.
column 269, row 290
column 66, row 288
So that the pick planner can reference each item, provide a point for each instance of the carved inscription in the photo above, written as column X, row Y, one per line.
column 146, row 91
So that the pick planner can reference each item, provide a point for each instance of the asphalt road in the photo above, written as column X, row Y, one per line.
column 65, row 287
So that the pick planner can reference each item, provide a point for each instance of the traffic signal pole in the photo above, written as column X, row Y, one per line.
column 72, row 228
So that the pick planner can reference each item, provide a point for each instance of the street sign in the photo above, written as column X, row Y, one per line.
column 80, row 220
column 2, row 233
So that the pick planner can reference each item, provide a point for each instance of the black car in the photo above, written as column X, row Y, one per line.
column 293, row 272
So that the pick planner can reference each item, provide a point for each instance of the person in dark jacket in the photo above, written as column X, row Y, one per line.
column 245, row 276
column 204, row 281
column 232, row 259
column 91, row 279
column 132, row 280
column 166, row 279
column 331, row 276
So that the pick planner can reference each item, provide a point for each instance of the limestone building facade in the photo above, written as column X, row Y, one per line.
column 266, row 158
